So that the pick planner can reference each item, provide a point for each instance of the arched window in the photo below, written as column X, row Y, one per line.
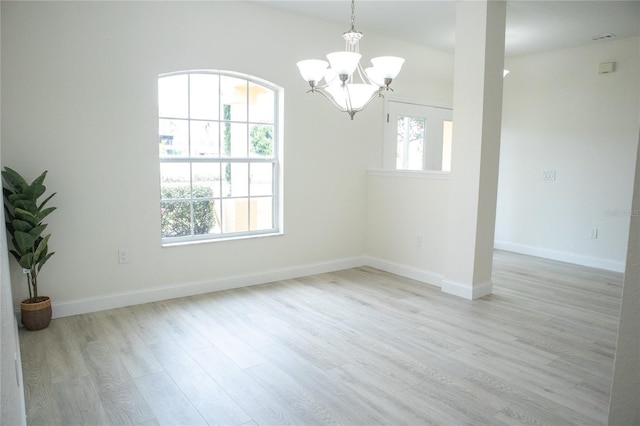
column 219, row 144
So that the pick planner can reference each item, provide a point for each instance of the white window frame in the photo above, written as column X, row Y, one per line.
column 275, row 160
column 389, row 150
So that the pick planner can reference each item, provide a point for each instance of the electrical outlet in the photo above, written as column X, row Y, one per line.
column 593, row 233
column 418, row 241
column 549, row 175
column 123, row 256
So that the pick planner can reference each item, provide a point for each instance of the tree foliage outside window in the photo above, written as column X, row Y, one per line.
column 411, row 136
column 262, row 140
column 176, row 215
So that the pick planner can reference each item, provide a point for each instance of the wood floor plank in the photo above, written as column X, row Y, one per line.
column 79, row 403
column 169, row 405
column 222, row 338
column 41, row 406
column 144, row 320
column 345, row 405
column 231, row 313
column 64, row 358
column 291, row 394
column 121, row 399
column 302, row 341
column 388, row 406
column 211, row 401
column 352, row 347
column 129, row 348
column 256, row 401
column 173, row 324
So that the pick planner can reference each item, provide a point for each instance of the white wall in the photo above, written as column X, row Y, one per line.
column 12, row 411
column 560, row 114
column 402, row 206
column 79, row 91
column 400, row 209
column 79, row 96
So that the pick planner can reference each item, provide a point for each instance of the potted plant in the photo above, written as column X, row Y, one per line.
column 24, row 217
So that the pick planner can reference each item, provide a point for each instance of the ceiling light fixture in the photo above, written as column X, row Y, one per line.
column 340, row 78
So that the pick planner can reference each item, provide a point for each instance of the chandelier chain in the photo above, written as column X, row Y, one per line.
column 353, row 14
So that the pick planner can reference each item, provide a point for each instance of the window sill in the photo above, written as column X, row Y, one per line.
column 418, row 174
column 221, row 239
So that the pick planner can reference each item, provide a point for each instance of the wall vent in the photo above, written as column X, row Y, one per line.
column 603, row 37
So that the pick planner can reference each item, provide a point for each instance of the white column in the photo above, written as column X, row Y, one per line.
column 625, row 386
column 477, row 115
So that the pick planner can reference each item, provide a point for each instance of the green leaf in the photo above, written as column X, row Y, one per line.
column 44, row 213
column 14, row 180
column 40, row 179
column 26, row 261
column 21, row 225
column 27, row 216
column 34, row 191
column 37, row 230
column 46, row 201
column 41, row 250
column 13, row 198
column 43, row 261
column 24, row 241
column 26, row 204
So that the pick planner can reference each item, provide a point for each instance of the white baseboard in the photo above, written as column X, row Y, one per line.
column 467, row 292
column 411, row 272
column 562, row 256
column 432, row 278
column 118, row 300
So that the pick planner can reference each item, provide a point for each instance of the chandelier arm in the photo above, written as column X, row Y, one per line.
column 376, row 94
column 329, row 98
column 347, row 101
column 363, row 75
column 351, row 111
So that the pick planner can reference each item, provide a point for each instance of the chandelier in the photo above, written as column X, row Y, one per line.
column 344, row 69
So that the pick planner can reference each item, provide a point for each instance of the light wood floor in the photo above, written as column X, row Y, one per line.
column 355, row 347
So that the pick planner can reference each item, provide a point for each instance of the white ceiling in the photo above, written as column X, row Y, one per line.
column 532, row 25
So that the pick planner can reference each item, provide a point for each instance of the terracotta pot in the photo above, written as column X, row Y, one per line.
column 36, row 315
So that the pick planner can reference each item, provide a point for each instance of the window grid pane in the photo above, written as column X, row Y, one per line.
column 411, row 140
column 204, row 93
column 217, row 156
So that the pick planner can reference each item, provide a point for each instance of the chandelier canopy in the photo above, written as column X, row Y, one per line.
column 344, row 69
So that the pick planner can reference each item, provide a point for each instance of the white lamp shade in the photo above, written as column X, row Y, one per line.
column 388, row 66
column 312, row 69
column 374, row 76
column 352, row 96
column 344, row 62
